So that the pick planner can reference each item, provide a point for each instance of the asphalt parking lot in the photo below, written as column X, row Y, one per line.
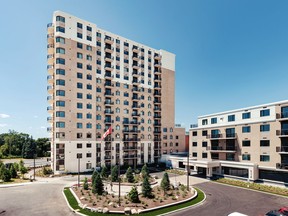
column 223, row 200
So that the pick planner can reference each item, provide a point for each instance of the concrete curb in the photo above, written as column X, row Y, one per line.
column 250, row 189
column 188, row 207
column 15, row 185
column 74, row 211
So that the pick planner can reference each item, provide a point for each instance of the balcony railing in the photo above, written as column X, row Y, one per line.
column 129, row 156
column 282, row 149
column 283, row 132
column 130, row 139
column 220, row 148
column 127, row 148
column 222, row 136
column 108, row 112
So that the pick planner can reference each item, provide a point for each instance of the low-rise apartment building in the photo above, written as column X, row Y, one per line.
column 249, row 143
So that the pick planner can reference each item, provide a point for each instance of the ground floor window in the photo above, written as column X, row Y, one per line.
column 88, row 165
column 235, row 172
column 273, row 175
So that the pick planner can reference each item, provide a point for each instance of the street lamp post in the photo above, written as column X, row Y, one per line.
column 188, row 169
column 78, row 171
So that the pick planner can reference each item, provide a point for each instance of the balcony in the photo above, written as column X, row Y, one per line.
column 109, row 58
column 131, row 139
column 130, row 156
column 135, row 57
column 50, row 38
column 231, row 149
column 130, row 148
column 157, row 86
column 50, row 79
column 136, row 98
column 109, row 94
column 157, row 147
column 108, row 67
column 108, row 84
column 135, row 89
column 136, row 107
column 282, row 133
column 157, row 101
column 108, row 40
column 135, row 49
column 109, row 112
column 157, row 116
column 157, row 124
column 49, row 25
column 50, row 89
column 135, row 114
column 107, row 157
column 49, row 119
column 108, row 121
column 157, row 109
column 135, row 73
column 136, row 66
column 109, row 103
column 156, row 131
column 157, row 64
column 157, row 79
column 282, row 149
column 222, row 136
column 108, row 49
column 50, row 69
column 108, row 76
column 50, row 109
column 157, row 56
column 49, row 129
column 131, row 131
column 282, row 166
column 157, row 72
column 157, row 139
column 107, row 148
column 50, row 99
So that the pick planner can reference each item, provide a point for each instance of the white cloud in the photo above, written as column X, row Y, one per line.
column 43, row 127
column 4, row 116
column 3, row 125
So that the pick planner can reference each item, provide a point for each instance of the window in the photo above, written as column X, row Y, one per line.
column 89, row 38
column 60, row 114
column 88, row 125
column 204, row 121
column 88, row 28
column 265, row 128
column 126, row 103
column 79, row 145
column 88, row 165
column 98, row 89
column 79, row 155
column 79, row 95
column 60, row 103
column 88, row 145
column 89, row 48
column 79, row 115
column 89, row 57
column 265, row 112
column 246, row 129
column 264, row 158
column 60, row 72
column 60, row 124
column 88, row 155
column 79, row 65
column 98, row 126
column 264, row 143
column 98, row 117
column 194, row 133
column 79, row 135
column 60, row 29
column 79, row 25
column 60, row 93
column 79, row 55
column 89, row 86
column 98, row 71
column 194, row 144
column 79, row 45
column 194, row 154
column 79, row 105
column 204, row 133
column 89, row 116
column 60, row 50
column 60, row 82
column 79, row 85
column 89, row 96
column 246, row 143
column 98, row 34
column 213, row 120
column 246, row 115
column 246, row 157
column 204, row 144
column 60, row 19
column 60, row 61
column 60, row 40
column 231, row 118
column 79, row 75
column 79, row 125
column 89, row 77
column 204, row 155
column 89, row 106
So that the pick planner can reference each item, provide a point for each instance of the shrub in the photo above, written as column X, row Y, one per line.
column 165, row 183
column 146, row 188
column 129, row 175
column 144, row 171
column 114, row 174
column 97, row 185
column 13, row 172
column 133, row 195
column 104, row 172
column 85, row 184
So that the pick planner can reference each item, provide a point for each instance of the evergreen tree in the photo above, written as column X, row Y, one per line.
column 146, row 188
column 95, row 173
column 97, row 186
column 16, row 166
column 114, row 174
column 144, row 171
column 5, row 174
column 104, row 172
column 29, row 148
column 13, row 171
column 165, row 183
column 85, row 184
column 129, row 175
column 133, row 195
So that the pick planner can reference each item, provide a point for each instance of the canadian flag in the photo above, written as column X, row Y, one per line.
column 109, row 131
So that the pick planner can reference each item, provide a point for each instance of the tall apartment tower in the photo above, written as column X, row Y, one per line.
column 98, row 80
column 249, row 143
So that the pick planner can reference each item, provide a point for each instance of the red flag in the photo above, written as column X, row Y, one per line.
column 109, row 131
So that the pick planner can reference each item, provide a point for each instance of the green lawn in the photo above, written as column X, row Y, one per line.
column 73, row 203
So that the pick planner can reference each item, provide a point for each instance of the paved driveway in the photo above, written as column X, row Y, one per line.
column 222, row 200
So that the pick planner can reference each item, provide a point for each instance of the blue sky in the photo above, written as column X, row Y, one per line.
column 229, row 54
